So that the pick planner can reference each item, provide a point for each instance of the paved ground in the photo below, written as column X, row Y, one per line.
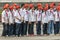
column 29, row 38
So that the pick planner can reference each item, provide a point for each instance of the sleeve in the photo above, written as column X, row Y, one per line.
column 29, row 15
column 3, row 14
column 42, row 17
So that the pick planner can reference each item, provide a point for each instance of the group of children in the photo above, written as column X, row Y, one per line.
column 18, row 20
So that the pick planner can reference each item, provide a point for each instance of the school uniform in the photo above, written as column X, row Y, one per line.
column 38, row 26
column 22, row 24
column 18, row 22
column 14, row 28
column 56, row 27
column 32, row 20
column 11, row 23
column 45, row 21
column 51, row 22
column 3, row 22
column 6, row 16
column 26, row 19
column 59, row 21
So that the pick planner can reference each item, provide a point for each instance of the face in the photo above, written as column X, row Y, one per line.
column 14, row 7
column 32, row 8
column 18, row 8
column 51, row 8
column 39, row 9
column 26, row 8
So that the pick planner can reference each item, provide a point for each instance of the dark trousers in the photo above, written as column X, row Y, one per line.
column 7, row 29
column 25, row 27
column 22, row 31
column 56, row 28
column 50, row 27
column 38, row 27
column 18, row 29
column 31, row 28
column 45, row 25
column 14, row 29
column 10, row 29
column 4, row 30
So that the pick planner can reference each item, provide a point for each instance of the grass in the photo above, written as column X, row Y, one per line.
column 0, row 11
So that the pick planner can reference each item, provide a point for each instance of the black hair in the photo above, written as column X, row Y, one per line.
column 22, row 4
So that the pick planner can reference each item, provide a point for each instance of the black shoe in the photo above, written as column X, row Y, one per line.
column 18, row 35
column 3, row 35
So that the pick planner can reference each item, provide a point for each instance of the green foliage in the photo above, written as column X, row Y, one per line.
column 0, row 12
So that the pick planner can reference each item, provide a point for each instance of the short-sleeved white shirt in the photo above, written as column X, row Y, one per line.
column 51, row 17
column 5, row 14
column 11, row 17
column 56, row 16
column 39, row 14
column 26, row 15
column 32, row 16
column 18, row 16
column 22, row 12
column 44, row 18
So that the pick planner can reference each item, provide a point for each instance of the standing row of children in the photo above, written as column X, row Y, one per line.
column 18, row 20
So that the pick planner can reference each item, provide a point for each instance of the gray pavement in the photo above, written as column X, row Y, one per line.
column 51, row 37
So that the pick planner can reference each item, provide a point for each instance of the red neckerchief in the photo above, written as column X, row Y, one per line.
column 51, row 11
column 26, row 12
column 39, row 14
column 19, row 12
column 45, row 14
column 12, row 14
column 6, row 13
column 32, row 11
column 58, row 14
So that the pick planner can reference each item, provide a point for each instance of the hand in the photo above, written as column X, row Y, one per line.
column 29, row 22
column 54, row 22
column 41, row 23
column 19, row 20
column 24, row 21
column 36, row 22
column 48, row 21
column 9, row 23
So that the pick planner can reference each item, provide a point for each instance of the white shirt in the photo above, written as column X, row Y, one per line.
column 56, row 16
column 22, row 12
column 59, row 14
column 18, row 16
column 51, row 17
column 44, row 18
column 26, row 15
column 11, row 17
column 3, row 16
column 32, row 16
column 39, row 14
column 14, row 13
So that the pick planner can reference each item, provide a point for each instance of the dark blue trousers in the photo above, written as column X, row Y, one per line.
column 18, row 29
column 10, row 29
column 4, row 30
column 7, row 29
column 25, row 27
column 45, row 25
column 38, row 27
column 31, row 28
column 22, row 31
column 56, row 28
column 14, row 29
